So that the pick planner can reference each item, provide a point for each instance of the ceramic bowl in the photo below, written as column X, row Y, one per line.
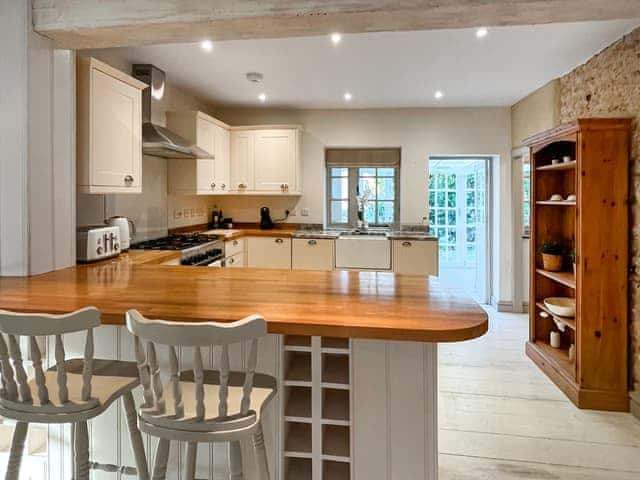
column 561, row 306
column 556, row 197
column 571, row 198
column 555, row 161
column 566, row 159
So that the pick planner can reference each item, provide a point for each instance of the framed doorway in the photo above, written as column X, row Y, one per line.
column 459, row 215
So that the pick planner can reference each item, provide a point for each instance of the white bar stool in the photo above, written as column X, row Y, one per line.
column 74, row 391
column 202, row 406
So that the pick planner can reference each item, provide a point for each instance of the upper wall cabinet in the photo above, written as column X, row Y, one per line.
column 203, row 176
column 266, row 160
column 109, row 129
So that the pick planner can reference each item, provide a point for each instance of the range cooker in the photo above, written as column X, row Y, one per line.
column 195, row 249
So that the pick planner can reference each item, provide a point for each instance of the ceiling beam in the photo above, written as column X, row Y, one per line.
column 111, row 23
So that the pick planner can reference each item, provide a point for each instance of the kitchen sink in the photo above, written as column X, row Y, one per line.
column 367, row 233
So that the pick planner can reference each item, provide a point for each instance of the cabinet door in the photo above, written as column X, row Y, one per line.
column 415, row 257
column 312, row 254
column 206, row 139
column 222, row 160
column 116, row 143
column 242, row 155
column 235, row 261
column 275, row 157
column 269, row 252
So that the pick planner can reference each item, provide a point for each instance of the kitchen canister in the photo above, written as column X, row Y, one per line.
column 554, row 339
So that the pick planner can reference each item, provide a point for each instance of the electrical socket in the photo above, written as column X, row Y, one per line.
column 305, row 212
column 177, row 214
column 185, row 213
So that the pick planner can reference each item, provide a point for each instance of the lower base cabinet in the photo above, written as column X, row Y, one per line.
column 415, row 257
column 312, row 254
column 269, row 252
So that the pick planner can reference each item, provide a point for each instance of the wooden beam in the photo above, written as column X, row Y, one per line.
column 111, row 23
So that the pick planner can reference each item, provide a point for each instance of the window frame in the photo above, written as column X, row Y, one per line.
column 353, row 177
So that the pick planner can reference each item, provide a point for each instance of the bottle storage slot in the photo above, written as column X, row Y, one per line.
column 335, row 441
column 335, row 470
column 332, row 343
column 335, row 369
column 297, row 469
column 335, row 405
column 298, row 366
column 297, row 438
column 297, row 342
column 298, row 402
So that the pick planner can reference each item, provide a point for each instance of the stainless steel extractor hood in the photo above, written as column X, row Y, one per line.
column 156, row 140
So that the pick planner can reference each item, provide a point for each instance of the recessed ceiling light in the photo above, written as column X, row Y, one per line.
column 206, row 45
column 438, row 94
column 336, row 38
column 482, row 32
column 262, row 97
column 347, row 96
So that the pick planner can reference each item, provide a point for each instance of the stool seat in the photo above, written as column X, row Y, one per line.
column 111, row 378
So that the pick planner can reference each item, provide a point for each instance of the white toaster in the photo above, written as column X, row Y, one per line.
column 97, row 243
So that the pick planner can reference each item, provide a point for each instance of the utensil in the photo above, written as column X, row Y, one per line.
column 561, row 306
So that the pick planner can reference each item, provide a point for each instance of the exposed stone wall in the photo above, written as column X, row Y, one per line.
column 609, row 85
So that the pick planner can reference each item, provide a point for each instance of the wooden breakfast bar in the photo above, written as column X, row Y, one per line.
column 355, row 354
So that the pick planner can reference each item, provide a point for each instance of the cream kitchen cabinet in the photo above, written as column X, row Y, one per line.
column 109, row 129
column 312, row 254
column 203, row 176
column 268, row 252
column 234, row 251
column 266, row 160
column 415, row 257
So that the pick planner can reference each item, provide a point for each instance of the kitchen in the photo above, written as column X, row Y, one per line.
column 310, row 203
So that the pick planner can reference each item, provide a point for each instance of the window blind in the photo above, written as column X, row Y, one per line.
column 363, row 157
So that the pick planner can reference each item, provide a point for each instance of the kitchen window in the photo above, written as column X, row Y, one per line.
column 365, row 179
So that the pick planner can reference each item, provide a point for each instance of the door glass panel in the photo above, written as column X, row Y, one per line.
column 386, row 190
column 340, row 188
column 385, row 212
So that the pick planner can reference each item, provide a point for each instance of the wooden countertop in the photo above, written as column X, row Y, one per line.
column 339, row 304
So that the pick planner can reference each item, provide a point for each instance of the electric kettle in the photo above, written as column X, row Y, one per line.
column 127, row 230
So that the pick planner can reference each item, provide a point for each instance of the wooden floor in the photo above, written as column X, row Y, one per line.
column 502, row 419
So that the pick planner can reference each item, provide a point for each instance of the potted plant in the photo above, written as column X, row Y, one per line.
column 551, row 256
column 572, row 257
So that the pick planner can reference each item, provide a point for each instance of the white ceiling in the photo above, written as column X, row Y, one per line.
column 401, row 69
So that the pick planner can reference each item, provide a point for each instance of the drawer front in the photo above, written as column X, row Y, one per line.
column 362, row 253
column 235, row 261
column 312, row 254
column 269, row 252
column 415, row 257
column 234, row 247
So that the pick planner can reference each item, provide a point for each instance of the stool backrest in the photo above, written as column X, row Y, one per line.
column 196, row 335
column 15, row 385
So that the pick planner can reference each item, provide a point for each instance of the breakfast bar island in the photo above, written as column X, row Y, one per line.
column 355, row 355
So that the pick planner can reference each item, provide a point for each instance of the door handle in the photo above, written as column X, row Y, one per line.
column 312, row 242
column 128, row 180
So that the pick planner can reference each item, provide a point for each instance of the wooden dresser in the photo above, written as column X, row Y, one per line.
column 594, row 373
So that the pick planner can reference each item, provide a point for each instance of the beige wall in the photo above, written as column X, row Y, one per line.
column 152, row 210
column 609, row 85
column 535, row 113
column 419, row 133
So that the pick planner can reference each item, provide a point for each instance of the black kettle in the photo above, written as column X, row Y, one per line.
column 265, row 219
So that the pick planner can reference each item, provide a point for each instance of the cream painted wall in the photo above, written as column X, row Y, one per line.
column 153, row 210
column 419, row 133
column 538, row 111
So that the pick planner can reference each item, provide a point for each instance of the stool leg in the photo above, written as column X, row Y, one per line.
column 135, row 436
column 235, row 461
column 162, row 456
column 261, row 454
column 190, row 461
column 81, row 451
column 17, row 447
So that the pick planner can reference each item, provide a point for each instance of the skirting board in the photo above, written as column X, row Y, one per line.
column 504, row 306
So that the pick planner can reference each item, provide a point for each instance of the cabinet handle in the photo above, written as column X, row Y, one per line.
column 312, row 242
column 213, row 185
column 406, row 244
column 128, row 180
column 235, row 243
column 242, row 185
column 223, row 186
column 232, row 260
column 279, row 240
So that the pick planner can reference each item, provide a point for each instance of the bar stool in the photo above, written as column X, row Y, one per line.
column 74, row 391
column 202, row 406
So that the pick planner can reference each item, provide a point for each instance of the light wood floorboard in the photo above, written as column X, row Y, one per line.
column 500, row 418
